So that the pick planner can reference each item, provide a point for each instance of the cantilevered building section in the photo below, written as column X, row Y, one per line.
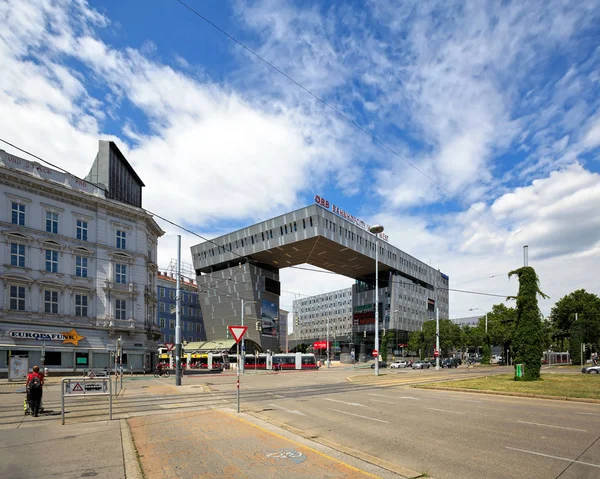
column 245, row 265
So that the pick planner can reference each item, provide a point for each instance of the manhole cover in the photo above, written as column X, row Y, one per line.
column 283, row 457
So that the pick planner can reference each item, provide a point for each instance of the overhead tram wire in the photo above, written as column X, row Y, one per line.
column 172, row 223
column 192, row 232
column 338, row 112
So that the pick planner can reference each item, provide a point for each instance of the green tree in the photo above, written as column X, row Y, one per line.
column 501, row 327
column 386, row 339
column 586, row 307
column 528, row 340
column 450, row 338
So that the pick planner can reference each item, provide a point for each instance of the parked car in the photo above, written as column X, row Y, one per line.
column 421, row 365
column 382, row 364
column 591, row 370
column 449, row 363
column 399, row 364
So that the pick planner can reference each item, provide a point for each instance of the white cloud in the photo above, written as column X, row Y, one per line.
column 459, row 83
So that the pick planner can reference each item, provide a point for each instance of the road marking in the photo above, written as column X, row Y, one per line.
column 395, row 397
column 344, row 402
column 588, row 413
column 358, row 415
column 443, row 410
column 279, row 396
column 455, row 399
column 556, row 427
column 553, row 457
column 379, row 400
column 291, row 411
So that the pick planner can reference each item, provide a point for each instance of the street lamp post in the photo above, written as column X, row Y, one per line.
column 243, row 358
column 376, row 229
column 328, row 360
column 486, row 329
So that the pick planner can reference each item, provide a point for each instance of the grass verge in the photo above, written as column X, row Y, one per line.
column 584, row 386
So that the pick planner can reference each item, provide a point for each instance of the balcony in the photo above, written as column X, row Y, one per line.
column 111, row 285
column 114, row 325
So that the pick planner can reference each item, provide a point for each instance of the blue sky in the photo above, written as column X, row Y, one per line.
column 497, row 102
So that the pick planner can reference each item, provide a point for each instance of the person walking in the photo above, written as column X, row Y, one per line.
column 34, row 385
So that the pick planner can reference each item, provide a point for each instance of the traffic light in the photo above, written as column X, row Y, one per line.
column 258, row 326
column 297, row 323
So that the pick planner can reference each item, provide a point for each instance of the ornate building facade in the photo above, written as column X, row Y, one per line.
column 78, row 265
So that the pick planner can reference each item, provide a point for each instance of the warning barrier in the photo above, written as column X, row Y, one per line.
column 85, row 387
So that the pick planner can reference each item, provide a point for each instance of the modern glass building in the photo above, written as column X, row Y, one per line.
column 243, row 266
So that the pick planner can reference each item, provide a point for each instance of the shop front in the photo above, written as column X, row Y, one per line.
column 70, row 350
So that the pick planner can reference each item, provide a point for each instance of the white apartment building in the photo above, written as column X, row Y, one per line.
column 77, row 265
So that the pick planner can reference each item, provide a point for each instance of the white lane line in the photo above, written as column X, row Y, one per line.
column 291, row 411
column 395, row 397
column 553, row 457
column 358, row 415
column 344, row 402
column 588, row 413
column 279, row 396
column 555, row 427
column 455, row 399
column 443, row 410
column 379, row 400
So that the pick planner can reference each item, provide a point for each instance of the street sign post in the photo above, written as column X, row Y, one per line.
column 238, row 333
column 85, row 387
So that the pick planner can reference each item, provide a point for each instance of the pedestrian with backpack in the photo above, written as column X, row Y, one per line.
column 35, row 382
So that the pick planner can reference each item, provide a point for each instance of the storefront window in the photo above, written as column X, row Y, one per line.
column 81, row 359
column 53, row 358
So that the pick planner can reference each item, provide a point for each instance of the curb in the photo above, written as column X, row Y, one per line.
column 312, row 442
column 513, row 394
column 130, row 457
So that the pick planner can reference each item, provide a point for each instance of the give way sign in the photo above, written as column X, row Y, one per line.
column 238, row 332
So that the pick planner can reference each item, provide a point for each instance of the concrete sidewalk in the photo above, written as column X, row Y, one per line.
column 222, row 443
column 98, row 449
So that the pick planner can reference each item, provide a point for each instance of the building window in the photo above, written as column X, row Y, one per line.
column 171, row 324
column 162, row 292
column 162, row 322
column 81, row 265
column 161, row 307
column 198, row 328
column 17, row 255
column 51, row 222
column 82, row 230
column 121, row 239
column 121, row 273
column 50, row 301
column 51, row 261
column 81, row 305
column 172, row 294
column 17, row 298
column 18, row 214
column 120, row 309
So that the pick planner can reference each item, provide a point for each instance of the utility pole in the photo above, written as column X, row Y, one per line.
column 178, row 317
column 437, row 338
column 328, row 361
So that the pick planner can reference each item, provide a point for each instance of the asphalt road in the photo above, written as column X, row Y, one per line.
column 443, row 434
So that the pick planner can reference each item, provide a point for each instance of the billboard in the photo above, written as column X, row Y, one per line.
column 269, row 317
